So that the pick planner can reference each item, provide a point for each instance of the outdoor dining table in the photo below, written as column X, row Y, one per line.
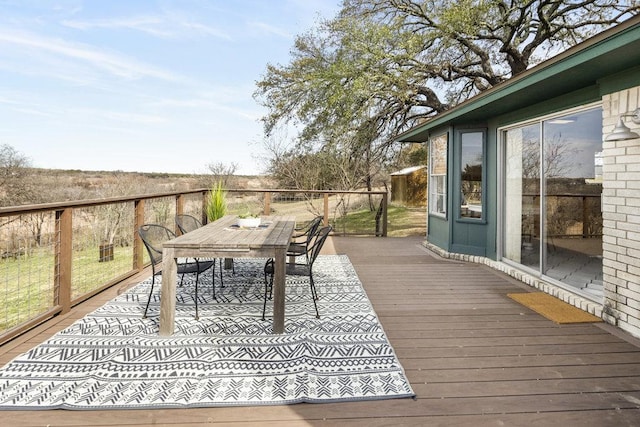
column 225, row 239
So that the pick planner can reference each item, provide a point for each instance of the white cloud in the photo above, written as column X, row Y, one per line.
column 162, row 26
column 204, row 29
column 145, row 24
column 121, row 116
column 24, row 103
column 200, row 104
column 270, row 29
column 114, row 64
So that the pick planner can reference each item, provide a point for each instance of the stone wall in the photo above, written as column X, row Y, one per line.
column 621, row 216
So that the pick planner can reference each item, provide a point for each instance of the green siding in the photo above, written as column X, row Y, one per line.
column 438, row 231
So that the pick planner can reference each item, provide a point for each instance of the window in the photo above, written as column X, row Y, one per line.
column 438, row 175
column 471, row 162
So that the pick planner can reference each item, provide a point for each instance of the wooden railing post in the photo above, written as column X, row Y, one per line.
column 205, row 202
column 326, row 209
column 585, row 217
column 138, row 250
column 62, row 263
column 179, row 211
column 384, row 214
column 267, row 203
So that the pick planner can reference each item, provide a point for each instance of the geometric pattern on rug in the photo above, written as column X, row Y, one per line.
column 115, row 359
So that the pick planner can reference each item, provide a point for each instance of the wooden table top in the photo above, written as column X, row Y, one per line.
column 274, row 232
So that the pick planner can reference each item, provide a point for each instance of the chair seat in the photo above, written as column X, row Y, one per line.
column 193, row 267
column 292, row 269
column 296, row 249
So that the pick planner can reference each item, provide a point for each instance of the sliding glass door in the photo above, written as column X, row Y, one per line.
column 551, row 196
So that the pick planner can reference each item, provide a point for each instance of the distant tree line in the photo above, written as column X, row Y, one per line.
column 21, row 183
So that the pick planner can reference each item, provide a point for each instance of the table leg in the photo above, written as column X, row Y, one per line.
column 168, row 292
column 279, row 271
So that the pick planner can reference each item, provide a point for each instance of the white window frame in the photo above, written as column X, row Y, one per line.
column 438, row 171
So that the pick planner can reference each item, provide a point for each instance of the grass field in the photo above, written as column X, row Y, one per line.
column 28, row 282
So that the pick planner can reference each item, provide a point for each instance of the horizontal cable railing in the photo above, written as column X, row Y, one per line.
column 56, row 255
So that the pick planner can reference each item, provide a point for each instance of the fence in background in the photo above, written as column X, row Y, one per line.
column 56, row 255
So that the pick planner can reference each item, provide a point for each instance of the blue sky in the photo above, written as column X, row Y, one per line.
column 146, row 85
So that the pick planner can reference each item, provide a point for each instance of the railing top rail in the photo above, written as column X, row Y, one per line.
column 24, row 209
column 563, row 194
column 283, row 190
column 12, row 210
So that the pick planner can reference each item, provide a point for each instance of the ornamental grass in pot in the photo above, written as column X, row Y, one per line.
column 217, row 202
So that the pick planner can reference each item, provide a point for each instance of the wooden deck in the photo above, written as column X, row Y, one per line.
column 473, row 356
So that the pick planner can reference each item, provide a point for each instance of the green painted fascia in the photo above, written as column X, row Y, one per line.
column 575, row 99
column 621, row 81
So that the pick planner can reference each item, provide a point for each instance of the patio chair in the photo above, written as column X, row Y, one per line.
column 153, row 236
column 313, row 250
column 302, row 238
column 299, row 248
column 187, row 223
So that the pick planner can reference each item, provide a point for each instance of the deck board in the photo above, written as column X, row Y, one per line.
column 474, row 356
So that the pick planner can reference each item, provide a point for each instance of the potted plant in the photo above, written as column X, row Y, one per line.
column 248, row 220
column 217, row 202
column 216, row 209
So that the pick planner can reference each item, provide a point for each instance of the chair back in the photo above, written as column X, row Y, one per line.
column 312, row 228
column 187, row 223
column 316, row 245
column 310, row 232
column 153, row 236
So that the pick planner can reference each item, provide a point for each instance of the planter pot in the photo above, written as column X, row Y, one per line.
column 249, row 222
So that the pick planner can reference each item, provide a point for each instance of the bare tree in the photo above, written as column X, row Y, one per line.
column 222, row 172
column 324, row 168
column 108, row 220
column 16, row 183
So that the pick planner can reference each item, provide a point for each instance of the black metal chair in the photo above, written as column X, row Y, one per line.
column 153, row 236
column 297, row 269
column 302, row 238
column 187, row 223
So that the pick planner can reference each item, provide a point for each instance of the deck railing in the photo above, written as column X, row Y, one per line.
column 566, row 215
column 56, row 255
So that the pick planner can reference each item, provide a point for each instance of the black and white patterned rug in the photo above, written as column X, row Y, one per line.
column 114, row 359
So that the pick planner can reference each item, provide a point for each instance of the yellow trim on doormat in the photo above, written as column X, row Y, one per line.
column 553, row 308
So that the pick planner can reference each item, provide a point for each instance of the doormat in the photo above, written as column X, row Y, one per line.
column 553, row 308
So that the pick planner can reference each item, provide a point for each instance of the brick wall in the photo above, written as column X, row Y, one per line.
column 621, row 216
